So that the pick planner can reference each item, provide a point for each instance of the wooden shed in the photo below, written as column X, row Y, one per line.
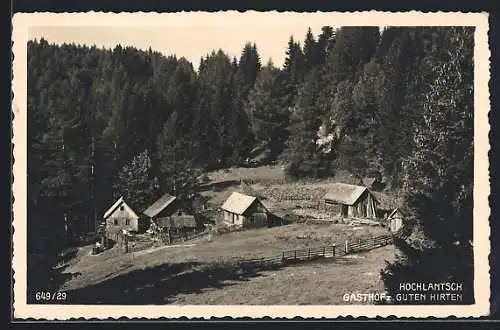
column 167, row 207
column 120, row 216
column 395, row 220
column 352, row 201
column 244, row 211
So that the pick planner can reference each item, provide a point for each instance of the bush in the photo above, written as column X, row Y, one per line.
column 204, row 178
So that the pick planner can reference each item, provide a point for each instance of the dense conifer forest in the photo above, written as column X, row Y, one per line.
column 396, row 103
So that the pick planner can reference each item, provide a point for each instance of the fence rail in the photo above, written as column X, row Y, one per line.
column 182, row 236
column 316, row 253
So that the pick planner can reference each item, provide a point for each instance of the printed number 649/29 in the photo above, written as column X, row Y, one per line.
column 50, row 296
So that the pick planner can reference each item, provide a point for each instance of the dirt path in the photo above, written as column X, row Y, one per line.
column 159, row 248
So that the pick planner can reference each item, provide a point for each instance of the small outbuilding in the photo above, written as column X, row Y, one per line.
column 352, row 201
column 244, row 211
column 120, row 216
column 395, row 220
column 168, row 212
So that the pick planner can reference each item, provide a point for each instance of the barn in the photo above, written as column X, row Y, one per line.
column 120, row 216
column 395, row 220
column 175, row 225
column 169, row 210
column 244, row 211
column 352, row 201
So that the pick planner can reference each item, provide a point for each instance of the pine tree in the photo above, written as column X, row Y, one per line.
column 249, row 66
column 219, row 119
column 175, row 158
column 302, row 153
column 294, row 61
column 326, row 41
column 136, row 183
column 268, row 107
column 311, row 55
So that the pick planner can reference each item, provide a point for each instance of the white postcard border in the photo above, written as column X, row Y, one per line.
column 22, row 310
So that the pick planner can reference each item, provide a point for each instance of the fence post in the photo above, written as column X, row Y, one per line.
column 333, row 250
column 346, row 248
column 294, row 254
column 309, row 254
column 283, row 256
column 324, row 251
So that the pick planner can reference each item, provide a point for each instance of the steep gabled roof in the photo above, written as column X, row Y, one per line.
column 238, row 203
column 394, row 212
column 159, row 205
column 344, row 193
column 119, row 202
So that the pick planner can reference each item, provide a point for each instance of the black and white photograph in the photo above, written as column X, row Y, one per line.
column 242, row 163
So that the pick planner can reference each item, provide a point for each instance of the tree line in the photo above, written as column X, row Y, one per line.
column 396, row 103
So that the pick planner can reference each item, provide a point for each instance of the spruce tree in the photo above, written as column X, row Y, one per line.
column 136, row 182
column 311, row 55
column 302, row 156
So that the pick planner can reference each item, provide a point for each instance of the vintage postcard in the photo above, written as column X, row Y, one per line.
column 251, row 164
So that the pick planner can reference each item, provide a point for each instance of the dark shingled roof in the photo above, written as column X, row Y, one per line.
column 159, row 205
column 180, row 221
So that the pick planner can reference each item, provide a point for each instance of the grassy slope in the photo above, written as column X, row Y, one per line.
column 114, row 267
column 191, row 272
column 319, row 283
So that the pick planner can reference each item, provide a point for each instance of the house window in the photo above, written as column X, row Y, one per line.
column 127, row 222
column 179, row 213
column 122, row 208
column 234, row 218
column 115, row 222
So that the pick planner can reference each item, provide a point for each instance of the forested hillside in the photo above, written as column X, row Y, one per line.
column 396, row 103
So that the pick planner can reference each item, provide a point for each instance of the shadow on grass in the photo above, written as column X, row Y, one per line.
column 274, row 220
column 158, row 285
column 45, row 281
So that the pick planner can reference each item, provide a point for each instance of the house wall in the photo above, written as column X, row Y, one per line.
column 233, row 218
column 122, row 218
column 396, row 224
column 249, row 221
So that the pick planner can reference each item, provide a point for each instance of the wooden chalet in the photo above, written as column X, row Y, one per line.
column 120, row 216
column 352, row 201
column 244, row 211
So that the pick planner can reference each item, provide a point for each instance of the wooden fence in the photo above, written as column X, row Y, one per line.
column 367, row 244
column 336, row 250
column 316, row 253
column 174, row 237
column 310, row 254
